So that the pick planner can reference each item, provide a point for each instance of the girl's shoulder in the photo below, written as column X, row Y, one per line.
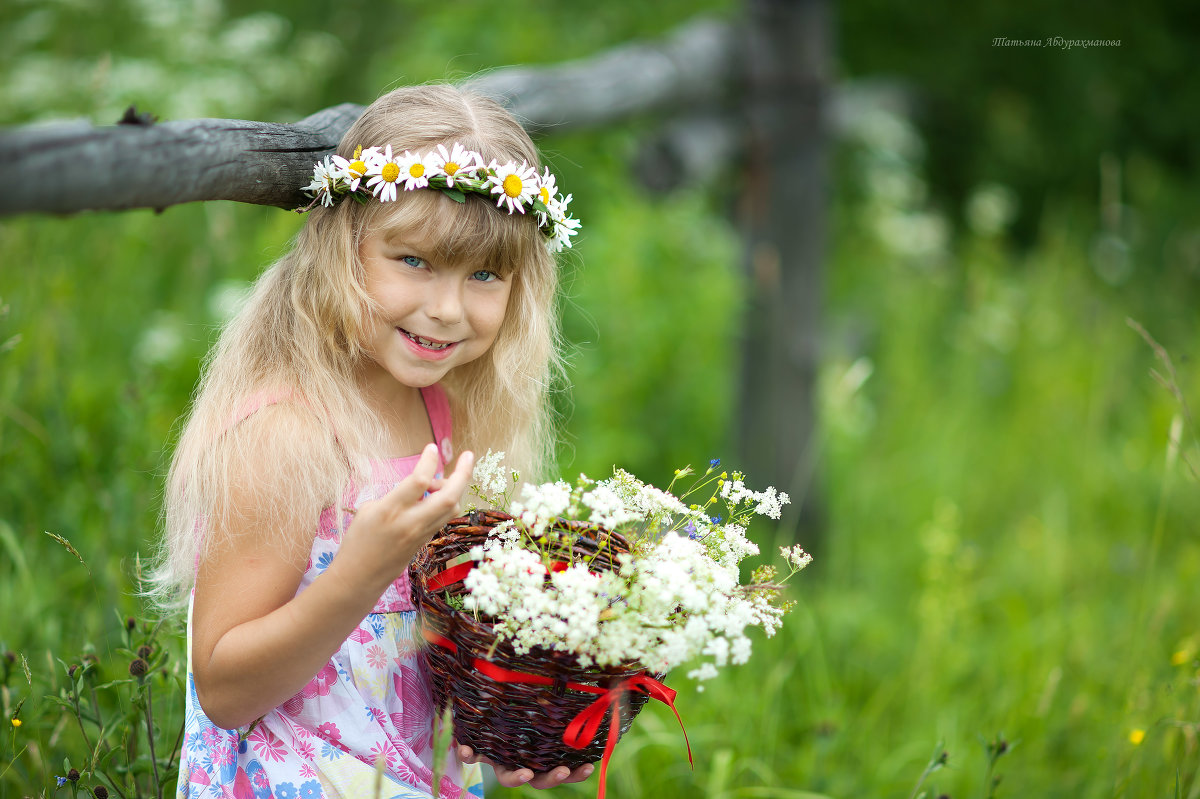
column 275, row 436
column 281, row 466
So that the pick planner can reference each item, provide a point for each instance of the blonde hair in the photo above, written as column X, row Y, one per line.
column 301, row 336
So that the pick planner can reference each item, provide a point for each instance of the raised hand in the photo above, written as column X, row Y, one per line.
column 386, row 533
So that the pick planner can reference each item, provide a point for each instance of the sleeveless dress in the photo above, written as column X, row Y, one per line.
column 371, row 701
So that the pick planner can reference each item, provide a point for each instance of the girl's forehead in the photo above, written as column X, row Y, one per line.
column 431, row 244
column 448, row 232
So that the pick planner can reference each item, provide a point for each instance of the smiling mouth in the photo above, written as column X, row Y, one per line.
column 427, row 343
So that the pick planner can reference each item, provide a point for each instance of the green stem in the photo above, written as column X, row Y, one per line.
column 79, row 720
column 176, row 749
column 113, row 783
column 99, row 717
column 150, row 739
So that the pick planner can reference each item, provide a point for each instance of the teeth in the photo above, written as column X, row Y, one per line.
column 424, row 342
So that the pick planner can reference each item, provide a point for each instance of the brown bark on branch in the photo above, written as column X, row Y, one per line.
column 75, row 166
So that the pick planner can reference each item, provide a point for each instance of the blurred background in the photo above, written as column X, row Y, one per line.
column 1002, row 471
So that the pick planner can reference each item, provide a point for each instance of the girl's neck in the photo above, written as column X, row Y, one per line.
column 400, row 409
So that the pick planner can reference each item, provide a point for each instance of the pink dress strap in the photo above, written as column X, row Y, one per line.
column 438, row 408
column 256, row 402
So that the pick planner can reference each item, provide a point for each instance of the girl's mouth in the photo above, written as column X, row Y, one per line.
column 428, row 346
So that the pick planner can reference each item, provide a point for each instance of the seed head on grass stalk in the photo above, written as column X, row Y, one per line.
column 937, row 761
column 997, row 748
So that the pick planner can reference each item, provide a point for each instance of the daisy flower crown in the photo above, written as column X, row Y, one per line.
column 455, row 172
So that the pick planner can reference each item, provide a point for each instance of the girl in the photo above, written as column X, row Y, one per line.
column 309, row 471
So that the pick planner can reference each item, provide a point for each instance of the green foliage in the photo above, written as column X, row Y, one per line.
column 96, row 724
column 1033, row 116
column 1011, row 540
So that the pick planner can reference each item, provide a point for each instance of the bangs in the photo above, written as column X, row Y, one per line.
column 474, row 231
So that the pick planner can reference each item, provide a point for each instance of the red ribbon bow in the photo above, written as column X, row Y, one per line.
column 582, row 729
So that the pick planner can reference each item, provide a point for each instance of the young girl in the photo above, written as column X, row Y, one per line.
column 310, row 470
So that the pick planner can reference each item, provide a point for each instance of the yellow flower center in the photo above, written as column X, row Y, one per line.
column 450, row 168
column 417, row 170
column 545, row 195
column 358, row 168
column 512, row 186
column 389, row 172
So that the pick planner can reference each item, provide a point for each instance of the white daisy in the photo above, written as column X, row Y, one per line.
column 355, row 166
column 547, row 187
column 458, row 163
column 562, row 227
column 516, row 185
column 547, row 193
column 414, row 171
column 384, row 174
column 325, row 182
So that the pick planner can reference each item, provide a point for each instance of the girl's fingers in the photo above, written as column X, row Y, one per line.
column 513, row 777
column 410, row 490
column 427, row 466
column 458, row 480
column 580, row 774
column 442, row 505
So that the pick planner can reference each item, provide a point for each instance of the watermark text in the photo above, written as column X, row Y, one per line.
column 1055, row 42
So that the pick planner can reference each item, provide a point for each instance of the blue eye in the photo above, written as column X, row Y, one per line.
column 413, row 261
column 484, row 276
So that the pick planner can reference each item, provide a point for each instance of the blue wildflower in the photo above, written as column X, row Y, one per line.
column 714, row 463
column 242, row 745
column 61, row 780
column 715, row 519
column 690, row 529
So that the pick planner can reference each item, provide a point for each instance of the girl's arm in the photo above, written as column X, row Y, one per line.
column 255, row 643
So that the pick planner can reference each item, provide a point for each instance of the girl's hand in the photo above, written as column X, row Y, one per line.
column 386, row 533
column 513, row 777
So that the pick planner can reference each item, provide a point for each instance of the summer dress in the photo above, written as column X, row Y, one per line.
column 372, row 700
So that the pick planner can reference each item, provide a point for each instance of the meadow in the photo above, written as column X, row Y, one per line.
column 1007, row 584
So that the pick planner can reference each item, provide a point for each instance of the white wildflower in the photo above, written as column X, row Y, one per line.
column 796, row 557
column 489, row 478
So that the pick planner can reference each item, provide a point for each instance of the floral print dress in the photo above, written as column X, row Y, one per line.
column 371, row 702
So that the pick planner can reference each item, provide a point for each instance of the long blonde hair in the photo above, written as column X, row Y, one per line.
column 300, row 334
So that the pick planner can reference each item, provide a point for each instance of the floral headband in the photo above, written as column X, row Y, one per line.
column 375, row 172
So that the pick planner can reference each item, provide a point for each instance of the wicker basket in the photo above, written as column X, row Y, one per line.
column 515, row 724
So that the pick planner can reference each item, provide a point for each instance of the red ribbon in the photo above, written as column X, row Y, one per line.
column 457, row 573
column 582, row 729
column 450, row 576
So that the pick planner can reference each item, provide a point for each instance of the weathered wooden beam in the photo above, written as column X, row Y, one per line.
column 695, row 74
column 696, row 64
column 72, row 167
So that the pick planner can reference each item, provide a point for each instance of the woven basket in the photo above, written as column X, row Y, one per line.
column 514, row 724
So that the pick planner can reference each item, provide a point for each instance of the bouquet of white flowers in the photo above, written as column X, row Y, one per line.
column 545, row 596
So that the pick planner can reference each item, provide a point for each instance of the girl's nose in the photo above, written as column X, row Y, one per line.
column 444, row 302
